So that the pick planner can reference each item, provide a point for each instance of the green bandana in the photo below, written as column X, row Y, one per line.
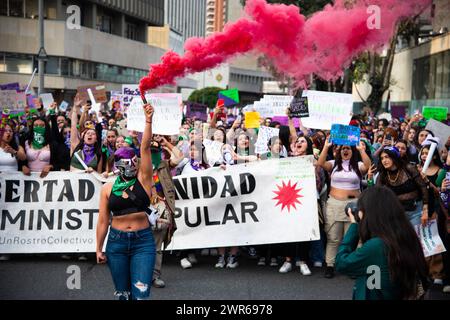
column 38, row 138
column 120, row 185
column 156, row 159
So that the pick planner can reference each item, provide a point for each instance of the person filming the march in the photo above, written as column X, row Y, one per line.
column 130, row 249
column 390, row 264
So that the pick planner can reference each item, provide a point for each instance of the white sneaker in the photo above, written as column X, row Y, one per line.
column 204, row 252
column 82, row 258
column 304, row 269
column 185, row 264
column 192, row 259
column 318, row 264
column 232, row 262
column 446, row 289
column 438, row 282
column 221, row 262
column 262, row 261
column 66, row 257
column 273, row 262
column 213, row 252
column 286, row 267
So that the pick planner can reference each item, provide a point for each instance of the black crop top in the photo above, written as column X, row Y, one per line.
column 120, row 206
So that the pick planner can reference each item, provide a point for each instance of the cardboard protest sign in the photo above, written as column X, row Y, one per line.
column 47, row 100
column 10, row 86
column 327, row 108
column 345, row 135
column 129, row 92
column 166, row 119
column 63, row 106
column 440, row 130
column 213, row 151
column 264, row 136
column 436, row 113
column 299, row 107
column 8, row 99
column 98, row 91
column 197, row 111
column 429, row 238
column 252, row 120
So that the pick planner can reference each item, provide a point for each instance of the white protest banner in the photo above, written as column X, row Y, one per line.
column 429, row 238
column 327, row 108
column 55, row 214
column 213, row 151
column 47, row 100
column 129, row 91
column 264, row 136
column 270, row 201
column 440, row 130
column 167, row 117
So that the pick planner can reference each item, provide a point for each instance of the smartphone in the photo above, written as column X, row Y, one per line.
column 388, row 136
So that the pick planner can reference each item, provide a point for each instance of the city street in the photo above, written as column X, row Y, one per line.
column 44, row 278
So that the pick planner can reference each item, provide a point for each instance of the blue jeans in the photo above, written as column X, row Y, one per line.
column 415, row 215
column 131, row 259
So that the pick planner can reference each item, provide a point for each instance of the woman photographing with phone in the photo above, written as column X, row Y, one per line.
column 130, row 250
column 390, row 250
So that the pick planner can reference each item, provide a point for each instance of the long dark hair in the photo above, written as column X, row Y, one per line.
column 202, row 151
column 13, row 144
column 408, row 153
column 47, row 136
column 97, row 145
column 387, row 220
column 399, row 163
column 353, row 161
column 437, row 158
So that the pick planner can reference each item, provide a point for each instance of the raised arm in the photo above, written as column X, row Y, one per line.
column 74, row 140
column 323, row 156
column 365, row 158
column 146, row 166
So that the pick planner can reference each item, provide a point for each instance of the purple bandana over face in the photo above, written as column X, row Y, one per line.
column 89, row 153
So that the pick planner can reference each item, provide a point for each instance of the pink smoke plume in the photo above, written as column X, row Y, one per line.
column 324, row 44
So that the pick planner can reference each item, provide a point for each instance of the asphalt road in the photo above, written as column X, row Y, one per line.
column 45, row 278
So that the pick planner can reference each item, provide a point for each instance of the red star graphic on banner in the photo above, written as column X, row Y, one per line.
column 287, row 196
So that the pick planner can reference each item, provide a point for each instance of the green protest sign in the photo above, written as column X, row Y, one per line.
column 436, row 113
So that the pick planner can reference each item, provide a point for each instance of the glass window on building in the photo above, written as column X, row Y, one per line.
column 431, row 77
column 3, row 8
column 19, row 63
column 104, row 23
column 16, row 8
column 52, row 66
column 132, row 31
column 65, row 67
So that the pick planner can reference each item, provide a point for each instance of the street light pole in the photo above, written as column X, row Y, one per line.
column 42, row 54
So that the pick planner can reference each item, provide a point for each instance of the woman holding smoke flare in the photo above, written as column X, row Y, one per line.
column 130, row 250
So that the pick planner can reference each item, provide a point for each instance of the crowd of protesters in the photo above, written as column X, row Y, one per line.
column 390, row 153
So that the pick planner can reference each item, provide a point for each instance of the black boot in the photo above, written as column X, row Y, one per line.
column 329, row 272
